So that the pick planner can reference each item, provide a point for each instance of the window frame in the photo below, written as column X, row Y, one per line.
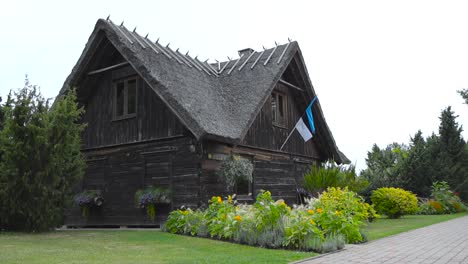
column 275, row 112
column 125, row 114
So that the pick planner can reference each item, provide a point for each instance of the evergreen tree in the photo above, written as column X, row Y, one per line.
column 384, row 166
column 464, row 94
column 414, row 171
column 40, row 159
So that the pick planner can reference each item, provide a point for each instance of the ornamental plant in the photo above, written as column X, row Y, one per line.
column 319, row 177
column 394, row 202
column 449, row 201
column 235, row 169
column 341, row 211
column 87, row 199
column 321, row 225
column 443, row 201
column 150, row 196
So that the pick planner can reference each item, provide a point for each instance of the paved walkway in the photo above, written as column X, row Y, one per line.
column 446, row 242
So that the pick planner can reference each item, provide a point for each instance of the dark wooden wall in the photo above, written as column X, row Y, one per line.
column 279, row 173
column 120, row 171
column 153, row 119
column 264, row 134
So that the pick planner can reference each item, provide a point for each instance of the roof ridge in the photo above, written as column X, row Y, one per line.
column 136, row 39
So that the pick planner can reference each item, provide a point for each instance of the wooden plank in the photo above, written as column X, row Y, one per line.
column 108, row 68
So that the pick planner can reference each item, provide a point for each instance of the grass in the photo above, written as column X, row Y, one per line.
column 387, row 227
column 132, row 246
column 150, row 246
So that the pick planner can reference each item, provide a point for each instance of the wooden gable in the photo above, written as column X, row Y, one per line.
column 268, row 134
column 96, row 92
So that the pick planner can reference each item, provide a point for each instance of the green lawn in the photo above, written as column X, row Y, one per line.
column 150, row 246
column 132, row 246
column 387, row 227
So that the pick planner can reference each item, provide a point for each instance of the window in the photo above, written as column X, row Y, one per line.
column 243, row 187
column 125, row 98
column 278, row 109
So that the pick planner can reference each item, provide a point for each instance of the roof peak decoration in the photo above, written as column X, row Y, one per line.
column 211, row 69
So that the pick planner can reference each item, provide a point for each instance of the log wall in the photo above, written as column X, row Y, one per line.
column 121, row 170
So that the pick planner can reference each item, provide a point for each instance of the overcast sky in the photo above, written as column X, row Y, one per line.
column 382, row 70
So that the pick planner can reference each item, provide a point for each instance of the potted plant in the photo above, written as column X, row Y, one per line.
column 236, row 172
column 87, row 199
column 150, row 196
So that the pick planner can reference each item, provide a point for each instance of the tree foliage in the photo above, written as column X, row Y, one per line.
column 384, row 166
column 464, row 94
column 439, row 157
column 40, row 159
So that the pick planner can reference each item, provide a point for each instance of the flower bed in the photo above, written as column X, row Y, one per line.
column 321, row 225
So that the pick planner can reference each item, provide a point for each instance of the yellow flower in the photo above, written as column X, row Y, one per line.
column 229, row 199
column 319, row 210
column 310, row 211
column 237, row 218
column 337, row 212
column 312, row 222
column 220, row 200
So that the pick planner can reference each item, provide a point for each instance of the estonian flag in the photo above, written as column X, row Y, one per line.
column 305, row 125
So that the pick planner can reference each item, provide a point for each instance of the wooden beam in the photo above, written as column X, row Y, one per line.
column 291, row 85
column 108, row 68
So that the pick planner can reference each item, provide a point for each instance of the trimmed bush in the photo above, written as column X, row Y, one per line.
column 394, row 202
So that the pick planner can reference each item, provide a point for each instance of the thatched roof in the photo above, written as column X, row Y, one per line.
column 218, row 101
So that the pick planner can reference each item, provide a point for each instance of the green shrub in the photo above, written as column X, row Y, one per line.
column 443, row 201
column 40, row 159
column 319, row 178
column 450, row 202
column 394, row 202
column 220, row 218
column 186, row 222
column 342, row 212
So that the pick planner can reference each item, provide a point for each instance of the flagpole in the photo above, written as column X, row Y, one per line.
column 296, row 124
column 288, row 137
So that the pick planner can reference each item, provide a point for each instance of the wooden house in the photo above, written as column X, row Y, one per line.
column 156, row 116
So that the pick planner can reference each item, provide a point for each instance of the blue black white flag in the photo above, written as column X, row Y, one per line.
column 305, row 126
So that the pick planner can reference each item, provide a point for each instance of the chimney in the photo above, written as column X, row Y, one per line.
column 245, row 52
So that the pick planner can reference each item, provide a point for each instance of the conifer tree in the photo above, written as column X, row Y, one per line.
column 464, row 94
column 40, row 159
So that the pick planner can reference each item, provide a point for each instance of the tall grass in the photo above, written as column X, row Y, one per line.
column 320, row 177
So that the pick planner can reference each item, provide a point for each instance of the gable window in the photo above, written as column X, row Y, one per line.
column 278, row 109
column 125, row 98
